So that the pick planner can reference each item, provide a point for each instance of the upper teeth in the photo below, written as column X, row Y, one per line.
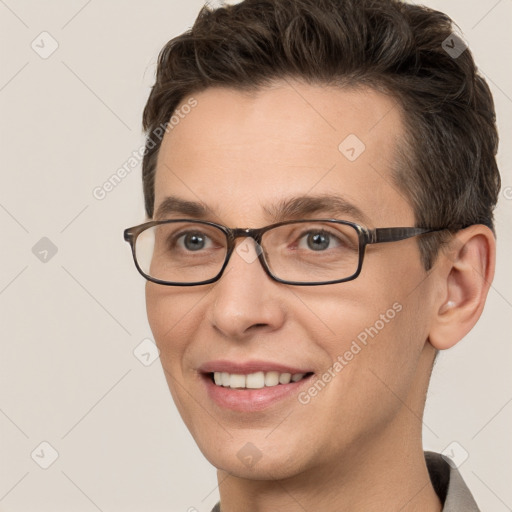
column 255, row 380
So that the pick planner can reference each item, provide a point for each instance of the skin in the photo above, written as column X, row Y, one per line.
column 357, row 445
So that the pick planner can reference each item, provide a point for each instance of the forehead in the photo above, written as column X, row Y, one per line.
column 239, row 152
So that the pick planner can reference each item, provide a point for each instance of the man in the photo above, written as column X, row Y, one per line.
column 319, row 180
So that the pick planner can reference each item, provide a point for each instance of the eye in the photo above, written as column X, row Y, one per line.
column 193, row 241
column 318, row 240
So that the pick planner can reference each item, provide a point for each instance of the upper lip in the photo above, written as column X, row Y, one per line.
column 246, row 367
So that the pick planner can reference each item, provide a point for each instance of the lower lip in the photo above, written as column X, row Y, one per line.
column 251, row 400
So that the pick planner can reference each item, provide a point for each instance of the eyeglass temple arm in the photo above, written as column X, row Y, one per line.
column 379, row 235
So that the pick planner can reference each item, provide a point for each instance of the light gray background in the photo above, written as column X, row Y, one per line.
column 69, row 376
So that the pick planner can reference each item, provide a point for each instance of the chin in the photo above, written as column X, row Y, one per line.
column 254, row 457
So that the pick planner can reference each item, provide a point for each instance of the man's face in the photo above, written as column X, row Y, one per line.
column 236, row 153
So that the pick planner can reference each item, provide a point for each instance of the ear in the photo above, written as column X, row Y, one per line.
column 466, row 273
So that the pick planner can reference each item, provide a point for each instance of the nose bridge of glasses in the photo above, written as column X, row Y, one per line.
column 246, row 232
column 247, row 250
column 254, row 233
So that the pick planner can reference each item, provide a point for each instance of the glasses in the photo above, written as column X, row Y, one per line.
column 186, row 252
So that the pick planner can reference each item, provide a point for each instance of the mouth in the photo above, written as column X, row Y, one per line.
column 256, row 380
column 254, row 392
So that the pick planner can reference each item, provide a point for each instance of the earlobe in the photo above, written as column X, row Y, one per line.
column 465, row 277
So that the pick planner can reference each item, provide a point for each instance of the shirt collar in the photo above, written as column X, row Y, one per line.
column 449, row 485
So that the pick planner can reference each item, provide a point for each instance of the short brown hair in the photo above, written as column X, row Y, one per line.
column 446, row 165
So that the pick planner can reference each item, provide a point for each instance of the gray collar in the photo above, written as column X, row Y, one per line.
column 449, row 485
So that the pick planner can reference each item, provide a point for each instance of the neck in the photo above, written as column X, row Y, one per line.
column 392, row 477
column 384, row 471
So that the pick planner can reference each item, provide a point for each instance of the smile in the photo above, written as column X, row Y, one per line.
column 255, row 380
column 239, row 396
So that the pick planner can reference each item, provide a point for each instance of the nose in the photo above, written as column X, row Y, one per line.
column 246, row 299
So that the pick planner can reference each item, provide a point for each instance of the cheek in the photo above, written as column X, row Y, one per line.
column 370, row 323
column 172, row 316
column 374, row 350
column 158, row 312
column 169, row 312
column 178, row 320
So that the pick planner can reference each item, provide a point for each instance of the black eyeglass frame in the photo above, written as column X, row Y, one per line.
column 366, row 237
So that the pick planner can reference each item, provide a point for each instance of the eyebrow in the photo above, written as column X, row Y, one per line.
column 293, row 208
